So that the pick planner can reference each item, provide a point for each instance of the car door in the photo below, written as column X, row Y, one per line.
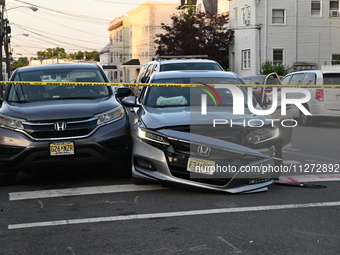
column 331, row 95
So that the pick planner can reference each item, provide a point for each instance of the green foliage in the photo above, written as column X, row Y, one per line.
column 269, row 67
column 60, row 53
column 337, row 61
column 194, row 33
column 23, row 61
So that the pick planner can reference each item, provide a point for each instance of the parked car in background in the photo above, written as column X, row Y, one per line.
column 173, row 63
column 172, row 137
column 62, row 126
column 324, row 103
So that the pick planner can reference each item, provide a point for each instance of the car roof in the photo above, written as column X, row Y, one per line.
column 192, row 74
column 58, row 66
column 187, row 61
column 313, row 71
column 175, row 61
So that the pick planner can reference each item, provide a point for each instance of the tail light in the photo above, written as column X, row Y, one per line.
column 319, row 95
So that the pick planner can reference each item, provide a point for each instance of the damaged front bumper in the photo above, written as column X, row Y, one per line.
column 164, row 157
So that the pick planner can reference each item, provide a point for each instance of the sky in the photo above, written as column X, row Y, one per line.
column 70, row 24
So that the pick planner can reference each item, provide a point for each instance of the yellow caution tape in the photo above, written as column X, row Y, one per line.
column 156, row 84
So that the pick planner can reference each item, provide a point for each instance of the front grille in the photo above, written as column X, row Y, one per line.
column 221, row 132
column 177, row 163
column 46, row 130
column 7, row 152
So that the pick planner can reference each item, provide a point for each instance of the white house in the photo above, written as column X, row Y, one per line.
column 304, row 34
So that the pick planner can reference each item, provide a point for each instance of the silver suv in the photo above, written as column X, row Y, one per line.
column 175, row 63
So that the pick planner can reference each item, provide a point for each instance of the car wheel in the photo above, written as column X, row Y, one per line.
column 8, row 179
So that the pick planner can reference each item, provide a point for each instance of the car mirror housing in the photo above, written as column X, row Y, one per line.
column 123, row 92
column 144, row 79
column 130, row 101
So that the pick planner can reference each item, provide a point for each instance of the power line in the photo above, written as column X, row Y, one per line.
column 84, row 17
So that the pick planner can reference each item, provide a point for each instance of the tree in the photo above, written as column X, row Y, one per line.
column 196, row 34
column 23, row 61
column 60, row 53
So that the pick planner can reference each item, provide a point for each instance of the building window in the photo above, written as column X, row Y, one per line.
column 246, row 59
column 335, row 59
column 246, row 16
column 316, row 8
column 278, row 16
column 334, row 8
column 278, row 56
column 334, row 5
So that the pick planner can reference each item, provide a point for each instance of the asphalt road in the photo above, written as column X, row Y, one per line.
column 96, row 213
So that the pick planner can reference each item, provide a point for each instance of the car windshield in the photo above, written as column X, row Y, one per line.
column 190, row 66
column 30, row 93
column 159, row 96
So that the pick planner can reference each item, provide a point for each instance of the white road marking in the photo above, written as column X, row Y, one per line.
column 81, row 191
column 171, row 214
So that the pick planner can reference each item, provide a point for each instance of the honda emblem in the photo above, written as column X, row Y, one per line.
column 203, row 151
column 60, row 126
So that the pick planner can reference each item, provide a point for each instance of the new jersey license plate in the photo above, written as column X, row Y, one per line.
column 201, row 166
column 61, row 148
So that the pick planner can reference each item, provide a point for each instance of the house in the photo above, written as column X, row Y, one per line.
column 118, row 50
column 303, row 34
column 132, row 39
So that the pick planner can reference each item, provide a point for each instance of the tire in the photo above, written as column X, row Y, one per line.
column 7, row 180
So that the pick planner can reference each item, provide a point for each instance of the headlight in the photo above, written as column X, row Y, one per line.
column 10, row 122
column 262, row 135
column 151, row 136
column 110, row 116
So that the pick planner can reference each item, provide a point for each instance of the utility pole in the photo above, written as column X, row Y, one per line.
column 7, row 47
column 2, row 9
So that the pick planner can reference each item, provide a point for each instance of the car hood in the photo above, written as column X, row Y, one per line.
column 59, row 109
column 160, row 117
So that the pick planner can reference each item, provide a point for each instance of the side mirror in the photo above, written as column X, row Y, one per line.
column 144, row 79
column 123, row 92
column 130, row 101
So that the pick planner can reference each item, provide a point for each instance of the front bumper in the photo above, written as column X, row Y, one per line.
column 108, row 146
column 152, row 163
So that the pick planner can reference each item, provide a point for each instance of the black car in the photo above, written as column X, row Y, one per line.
column 62, row 126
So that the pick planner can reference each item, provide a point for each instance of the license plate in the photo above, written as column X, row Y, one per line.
column 201, row 166
column 61, row 148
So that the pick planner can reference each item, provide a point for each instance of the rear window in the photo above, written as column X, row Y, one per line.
column 190, row 66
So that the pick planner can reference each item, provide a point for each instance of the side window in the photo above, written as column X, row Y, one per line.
column 286, row 80
column 297, row 79
column 153, row 69
column 148, row 70
column 309, row 79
